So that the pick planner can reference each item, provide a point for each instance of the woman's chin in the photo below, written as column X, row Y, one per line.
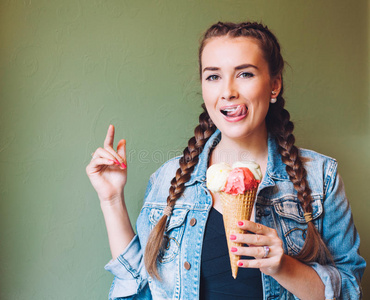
column 242, row 132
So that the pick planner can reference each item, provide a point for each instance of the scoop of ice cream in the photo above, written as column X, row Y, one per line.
column 217, row 175
column 251, row 165
column 239, row 181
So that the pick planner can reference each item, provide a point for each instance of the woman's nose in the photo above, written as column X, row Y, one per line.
column 230, row 91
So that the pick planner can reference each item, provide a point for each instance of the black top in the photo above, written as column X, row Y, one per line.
column 216, row 281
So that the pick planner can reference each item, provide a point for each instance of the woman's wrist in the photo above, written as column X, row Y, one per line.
column 283, row 267
column 120, row 231
column 116, row 207
column 115, row 201
column 299, row 278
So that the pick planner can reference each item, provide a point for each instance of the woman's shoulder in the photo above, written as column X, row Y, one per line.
column 167, row 169
column 313, row 158
column 319, row 167
column 160, row 180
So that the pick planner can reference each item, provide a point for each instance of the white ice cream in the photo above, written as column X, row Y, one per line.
column 216, row 176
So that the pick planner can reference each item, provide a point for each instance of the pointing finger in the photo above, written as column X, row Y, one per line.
column 108, row 142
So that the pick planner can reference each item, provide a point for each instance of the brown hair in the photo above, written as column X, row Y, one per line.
column 278, row 124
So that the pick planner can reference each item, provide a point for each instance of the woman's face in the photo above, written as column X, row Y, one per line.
column 237, row 86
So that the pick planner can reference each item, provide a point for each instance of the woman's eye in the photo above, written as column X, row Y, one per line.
column 246, row 75
column 212, row 77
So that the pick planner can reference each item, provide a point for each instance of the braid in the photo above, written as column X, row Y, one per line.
column 279, row 124
column 188, row 161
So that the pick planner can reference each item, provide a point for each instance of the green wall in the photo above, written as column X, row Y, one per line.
column 70, row 68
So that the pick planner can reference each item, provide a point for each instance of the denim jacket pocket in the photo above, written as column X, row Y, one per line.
column 173, row 233
column 293, row 224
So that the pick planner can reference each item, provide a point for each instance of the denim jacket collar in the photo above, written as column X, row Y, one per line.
column 275, row 166
column 199, row 173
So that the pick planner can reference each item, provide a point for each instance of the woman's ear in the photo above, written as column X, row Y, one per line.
column 276, row 86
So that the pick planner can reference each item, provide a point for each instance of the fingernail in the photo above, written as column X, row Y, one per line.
column 240, row 223
column 116, row 162
column 232, row 237
column 233, row 249
column 240, row 264
column 123, row 166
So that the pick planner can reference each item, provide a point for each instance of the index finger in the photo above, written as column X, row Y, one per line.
column 108, row 142
column 255, row 227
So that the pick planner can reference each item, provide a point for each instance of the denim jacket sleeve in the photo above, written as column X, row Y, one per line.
column 343, row 280
column 130, row 279
column 130, row 276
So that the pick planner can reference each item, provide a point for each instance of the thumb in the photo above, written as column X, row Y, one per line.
column 121, row 150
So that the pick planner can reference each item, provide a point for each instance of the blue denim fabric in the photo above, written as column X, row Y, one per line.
column 276, row 206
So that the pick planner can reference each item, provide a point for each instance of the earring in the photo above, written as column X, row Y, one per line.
column 273, row 100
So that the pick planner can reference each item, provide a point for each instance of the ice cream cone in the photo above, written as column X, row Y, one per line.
column 235, row 208
column 238, row 188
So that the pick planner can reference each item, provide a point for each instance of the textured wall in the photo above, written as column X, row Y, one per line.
column 70, row 68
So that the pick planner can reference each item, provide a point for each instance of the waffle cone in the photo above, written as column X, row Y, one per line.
column 235, row 208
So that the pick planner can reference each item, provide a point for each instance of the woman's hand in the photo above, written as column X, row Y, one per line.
column 107, row 169
column 263, row 236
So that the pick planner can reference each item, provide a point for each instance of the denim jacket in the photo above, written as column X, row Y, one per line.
column 276, row 206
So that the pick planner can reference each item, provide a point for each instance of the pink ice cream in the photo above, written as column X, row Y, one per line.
column 239, row 181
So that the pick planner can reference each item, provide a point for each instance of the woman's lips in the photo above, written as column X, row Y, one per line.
column 234, row 113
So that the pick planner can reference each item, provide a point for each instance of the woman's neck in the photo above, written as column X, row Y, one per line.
column 230, row 150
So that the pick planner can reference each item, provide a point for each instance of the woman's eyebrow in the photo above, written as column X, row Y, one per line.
column 245, row 66
column 210, row 69
column 240, row 67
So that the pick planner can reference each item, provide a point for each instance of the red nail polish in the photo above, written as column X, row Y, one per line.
column 240, row 223
column 123, row 166
column 233, row 249
column 232, row 237
column 240, row 264
column 116, row 162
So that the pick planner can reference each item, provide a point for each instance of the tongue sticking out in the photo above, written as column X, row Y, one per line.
column 239, row 111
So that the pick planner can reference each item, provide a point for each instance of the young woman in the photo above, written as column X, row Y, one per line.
column 301, row 212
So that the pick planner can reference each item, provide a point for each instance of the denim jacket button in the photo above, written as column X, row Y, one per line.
column 193, row 221
column 187, row 266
